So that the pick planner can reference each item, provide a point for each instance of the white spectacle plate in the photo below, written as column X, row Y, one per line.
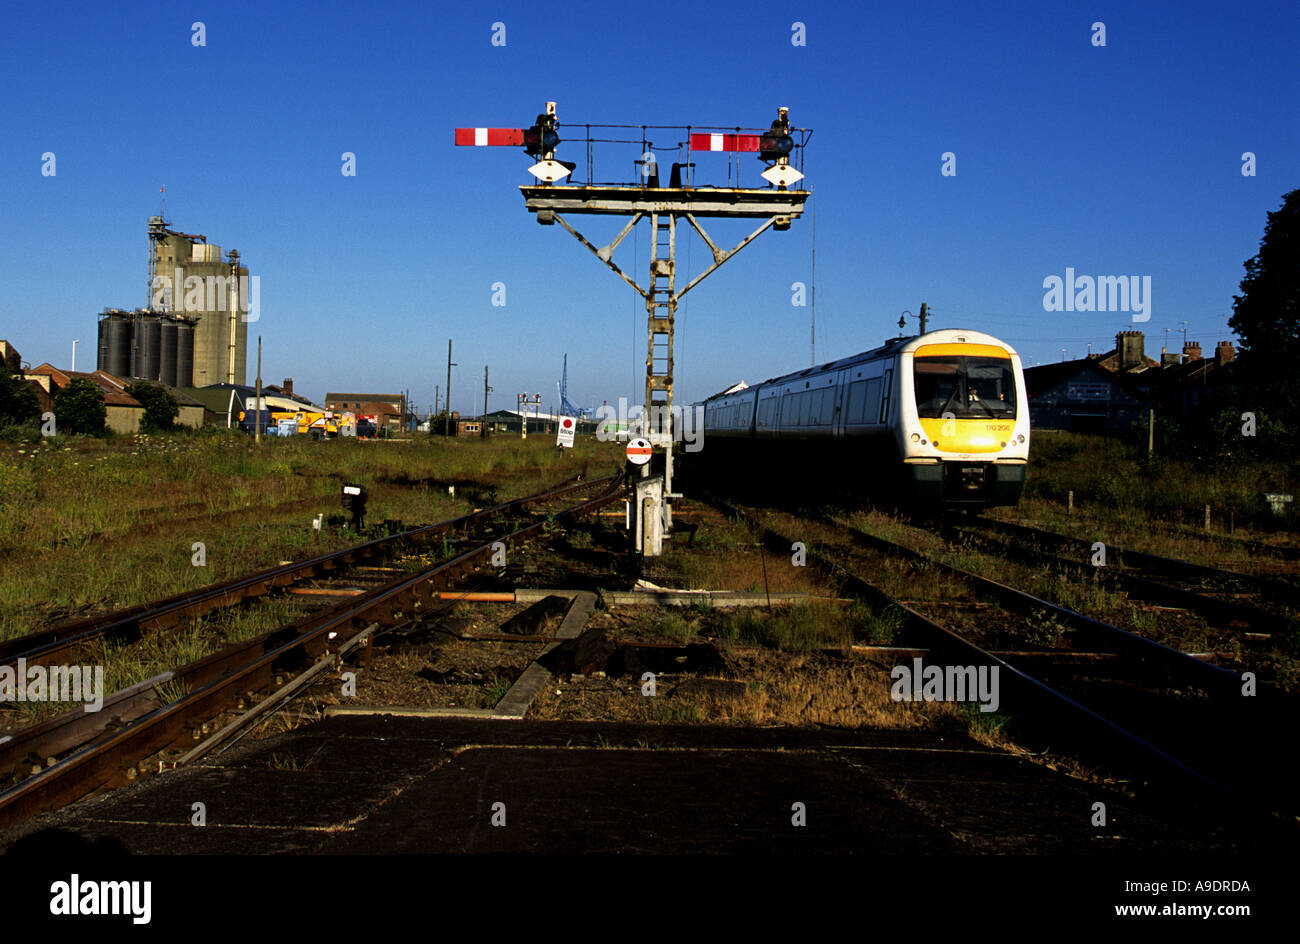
column 783, row 175
column 548, row 172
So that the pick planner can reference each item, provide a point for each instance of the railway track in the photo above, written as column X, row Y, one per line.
column 75, row 753
column 1177, row 721
column 1257, row 607
column 62, row 643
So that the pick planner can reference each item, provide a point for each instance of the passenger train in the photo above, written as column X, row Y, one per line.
column 940, row 419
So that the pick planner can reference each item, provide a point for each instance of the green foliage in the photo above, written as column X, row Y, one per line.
column 1173, row 485
column 18, row 404
column 791, row 628
column 79, row 408
column 1266, row 316
column 160, row 407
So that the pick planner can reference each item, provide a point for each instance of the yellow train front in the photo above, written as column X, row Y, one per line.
column 941, row 419
column 963, row 425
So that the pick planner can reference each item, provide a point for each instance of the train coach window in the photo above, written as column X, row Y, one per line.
column 823, row 399
column 853, row 412
column 872, row 406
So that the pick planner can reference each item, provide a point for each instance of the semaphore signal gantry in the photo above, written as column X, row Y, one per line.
column 780, row 149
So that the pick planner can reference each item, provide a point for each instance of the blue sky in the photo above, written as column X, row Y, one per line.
column 1115, row 160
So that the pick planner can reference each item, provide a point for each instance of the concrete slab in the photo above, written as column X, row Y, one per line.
column 410, row 784
column 643, row 801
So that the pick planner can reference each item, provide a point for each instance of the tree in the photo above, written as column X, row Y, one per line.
column 79, row 408
column 1266, row 316
column 160, row 407
column 18, row 404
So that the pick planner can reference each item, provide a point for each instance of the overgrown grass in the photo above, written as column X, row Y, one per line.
column 809, row 626
column 1115, row 480
column 89, row 525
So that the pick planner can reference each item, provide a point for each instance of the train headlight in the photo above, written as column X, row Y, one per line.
column 916, row 437
column 1020, row 438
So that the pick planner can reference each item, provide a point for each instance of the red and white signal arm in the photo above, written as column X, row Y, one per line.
column 564, row 435
column 638, row 451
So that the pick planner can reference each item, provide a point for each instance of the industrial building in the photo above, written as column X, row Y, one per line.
column 147, row 345
column 387, row 408
column 512, row 421
column 194, row 332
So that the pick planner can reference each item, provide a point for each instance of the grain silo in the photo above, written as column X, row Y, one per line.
column 185, row 354
column 118, row 332
column 167, row 353
column 101, row 356
column 148, row 345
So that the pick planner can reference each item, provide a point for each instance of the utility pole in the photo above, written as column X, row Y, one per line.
column 812, row 321
column 482, row 424
column 437, row 398
column 450, row 365
column 257, row 423
column 924, row 314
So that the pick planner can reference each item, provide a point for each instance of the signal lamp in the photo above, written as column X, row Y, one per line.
column 773, row 147
column 540, row 140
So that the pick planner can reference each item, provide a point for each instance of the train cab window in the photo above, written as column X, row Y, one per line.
column 967, row 387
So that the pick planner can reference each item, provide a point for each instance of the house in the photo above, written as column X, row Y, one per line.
column 123, row 412
column 1083, row 396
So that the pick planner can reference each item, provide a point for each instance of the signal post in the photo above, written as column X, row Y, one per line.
column 665, row 208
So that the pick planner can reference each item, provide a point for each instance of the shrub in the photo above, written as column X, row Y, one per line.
column 79, row 408
column 160, row 407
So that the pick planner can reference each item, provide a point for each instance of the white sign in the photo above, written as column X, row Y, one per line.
column 564, row 436
column 638, row 451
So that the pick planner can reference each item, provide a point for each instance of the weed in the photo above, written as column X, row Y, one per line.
column 985, row 726
column 672, row 711
column 670, row 623
column 495, row 690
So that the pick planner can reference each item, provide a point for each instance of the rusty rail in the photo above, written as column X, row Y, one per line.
column 131, row 623
column 1038, row 702
column 222, row 678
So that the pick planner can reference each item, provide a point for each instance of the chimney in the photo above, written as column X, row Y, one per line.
column 1191, row 351
column 1129, row 344
column 1168, row 359
column 287, row 386
column 1223, row 353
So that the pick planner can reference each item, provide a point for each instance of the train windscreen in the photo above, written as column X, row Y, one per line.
column 966, row 387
